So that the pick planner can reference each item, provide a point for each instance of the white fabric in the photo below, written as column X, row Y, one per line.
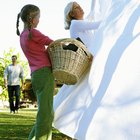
column 105, row 104
column 83, row 29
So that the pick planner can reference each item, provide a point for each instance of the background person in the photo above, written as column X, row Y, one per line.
column 12, row 75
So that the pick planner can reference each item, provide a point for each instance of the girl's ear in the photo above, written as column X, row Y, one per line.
column 33, row 20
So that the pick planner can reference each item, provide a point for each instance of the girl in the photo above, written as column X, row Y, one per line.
column 33, row 44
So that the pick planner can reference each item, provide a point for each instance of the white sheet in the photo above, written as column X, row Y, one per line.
column 109, row 109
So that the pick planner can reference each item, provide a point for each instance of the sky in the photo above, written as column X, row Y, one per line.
column 51, row 20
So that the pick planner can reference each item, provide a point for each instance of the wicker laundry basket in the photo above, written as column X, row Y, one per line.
column 70, row 59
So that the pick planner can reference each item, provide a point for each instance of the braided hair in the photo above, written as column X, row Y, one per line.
column 27, row 13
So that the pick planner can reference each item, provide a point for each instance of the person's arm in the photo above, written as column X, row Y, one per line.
column 41, row 38
column 83, row 25
column 5, row 82
column 22, row 76
column 5, row 77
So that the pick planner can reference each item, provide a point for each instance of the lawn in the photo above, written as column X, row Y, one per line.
column 17, row 126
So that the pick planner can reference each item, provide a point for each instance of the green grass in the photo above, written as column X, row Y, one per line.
column 18, row 126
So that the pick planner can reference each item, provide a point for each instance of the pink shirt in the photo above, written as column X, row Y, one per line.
column 34, row 49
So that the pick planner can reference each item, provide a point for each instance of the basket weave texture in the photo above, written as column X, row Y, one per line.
column 70, row 60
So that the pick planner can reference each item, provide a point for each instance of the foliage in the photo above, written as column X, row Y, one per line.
column 1, row 71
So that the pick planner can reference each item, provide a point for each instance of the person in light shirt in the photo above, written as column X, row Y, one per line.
column 78, row 96
column 12, row 76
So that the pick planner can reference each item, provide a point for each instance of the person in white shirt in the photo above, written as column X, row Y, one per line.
column 12, row 75
column 72, row 100
column 78, row 26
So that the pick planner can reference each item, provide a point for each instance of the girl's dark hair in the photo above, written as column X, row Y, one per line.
column 27, row 13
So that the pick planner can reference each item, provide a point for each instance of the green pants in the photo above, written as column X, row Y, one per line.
column 43, row 87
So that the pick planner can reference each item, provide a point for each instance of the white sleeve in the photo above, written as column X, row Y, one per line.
column 83, row 25
column 6, row 73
